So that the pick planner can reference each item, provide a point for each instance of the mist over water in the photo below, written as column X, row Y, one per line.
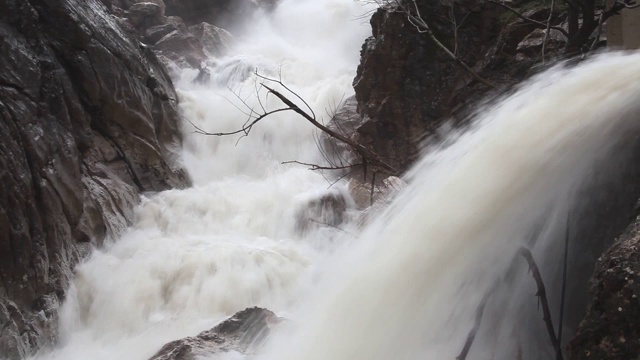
column 407, row 287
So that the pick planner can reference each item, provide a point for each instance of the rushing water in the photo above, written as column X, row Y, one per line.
column 196, row 256
column 409, row 285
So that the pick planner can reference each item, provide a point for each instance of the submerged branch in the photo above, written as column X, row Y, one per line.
column 476, row 325
column 542, row 295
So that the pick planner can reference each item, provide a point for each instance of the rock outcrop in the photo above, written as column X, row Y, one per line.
column 611, row 328
column 222, row 13
column 406, row 87
column 175, row 44
column 88, row 120
column 244, row 332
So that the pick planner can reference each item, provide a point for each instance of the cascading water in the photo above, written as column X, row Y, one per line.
column 196, row 256
column 408, row 287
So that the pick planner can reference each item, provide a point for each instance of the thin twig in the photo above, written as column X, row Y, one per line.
column 563, row 289
column 536, row 22
column 423, row 28
column 548, row 30
column 476, row 325
column 542, row 295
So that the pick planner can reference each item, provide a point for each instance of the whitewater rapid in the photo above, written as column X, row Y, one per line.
column 196, row 256
column 408, row 285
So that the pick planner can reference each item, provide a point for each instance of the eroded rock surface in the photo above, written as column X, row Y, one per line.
column 88, row 120
column 406, row 87
column 244, row 332
column 611, row 328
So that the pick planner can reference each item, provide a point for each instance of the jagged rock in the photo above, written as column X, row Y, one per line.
column 172, row 23
column 145, row 14
column 531, row 45
column 223, row 13
column 611, row 328
column 182, row 48
column 87, row 121
column 244, row 332
column 214, row 39
column 406, row 87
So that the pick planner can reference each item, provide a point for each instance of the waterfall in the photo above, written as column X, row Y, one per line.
column 410, row 289
column 408, row 285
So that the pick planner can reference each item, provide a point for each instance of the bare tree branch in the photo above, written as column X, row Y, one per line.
column 547, row 31
column 521, row 16
column 542, row 295
column 476, row 325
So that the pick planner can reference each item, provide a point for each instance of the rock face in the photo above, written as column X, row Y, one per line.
column 244, row 332
column 611, row 328
column 168, row 36
column 406, row 87
column 223, row 13
column 88, row 119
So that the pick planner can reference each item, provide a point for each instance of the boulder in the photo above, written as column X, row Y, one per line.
column 182, row 48
column 244, row 332
column 145, row 14
column 611, row 328
column 531, row 45
column 214, row 40
column 223, row 13
column 88, row 120
column 406, row 87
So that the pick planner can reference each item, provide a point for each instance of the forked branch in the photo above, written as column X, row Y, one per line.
column 256, row 114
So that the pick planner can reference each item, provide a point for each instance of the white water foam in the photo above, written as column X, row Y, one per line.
column 196, row 256
column 411, row 288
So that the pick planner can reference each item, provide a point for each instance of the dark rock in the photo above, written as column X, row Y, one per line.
column 182, row 48
column 244, row 332
column 145, row 14
column 214, row 39
column 531, row 45
column 223, row 13
column 155, row 33
column 87, row 121
column 611, row 328
column 406, row 87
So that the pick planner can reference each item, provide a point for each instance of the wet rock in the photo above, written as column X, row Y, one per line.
column 154, row 34
column 223, row 13
column 145, row 14
column 611, row 328
column 244, row 332
column 531, row 45
column 182, row 48
column 88, row 120
column 407, row 88
column 214, row 40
